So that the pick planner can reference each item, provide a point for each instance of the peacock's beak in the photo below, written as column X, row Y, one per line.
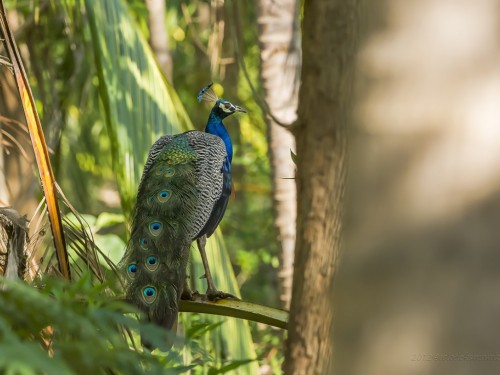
column 239, row 109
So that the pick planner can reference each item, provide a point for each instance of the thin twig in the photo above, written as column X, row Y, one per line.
column 16, row 142
column 5, row 61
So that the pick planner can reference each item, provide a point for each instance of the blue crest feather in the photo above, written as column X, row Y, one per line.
column 207, row 94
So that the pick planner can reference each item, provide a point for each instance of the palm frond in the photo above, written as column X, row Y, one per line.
column 84, row 255
column 39, row 146
column 138, row 104
column 14, row 134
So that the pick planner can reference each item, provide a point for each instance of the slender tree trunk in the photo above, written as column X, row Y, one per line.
column 280, row 66
column 329, row 34
column 158, row 36
column 216, row 36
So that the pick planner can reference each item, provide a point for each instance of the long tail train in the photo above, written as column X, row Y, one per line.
column 158, row 250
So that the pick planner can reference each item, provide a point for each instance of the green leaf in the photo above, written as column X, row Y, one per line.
column 198, row 329
column 229, row 367
column 13, row 360
column 73, row 220
column 111, row 245
column 107, row 219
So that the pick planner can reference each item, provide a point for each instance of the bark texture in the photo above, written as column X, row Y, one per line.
column 159, row 37
column 328, row 45
column 280, row 66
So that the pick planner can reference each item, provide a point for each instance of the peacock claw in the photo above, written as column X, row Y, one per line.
column 189, row 295
column 214, row 294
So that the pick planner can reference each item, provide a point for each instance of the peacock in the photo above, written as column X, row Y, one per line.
column 182, row 197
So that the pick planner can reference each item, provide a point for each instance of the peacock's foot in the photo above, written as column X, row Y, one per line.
column 214, row 294
column 188, row 294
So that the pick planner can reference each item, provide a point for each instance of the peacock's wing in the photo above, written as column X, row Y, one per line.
column 211, row 181
column 220, row 206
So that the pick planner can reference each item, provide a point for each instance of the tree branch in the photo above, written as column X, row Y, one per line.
column 237, row 309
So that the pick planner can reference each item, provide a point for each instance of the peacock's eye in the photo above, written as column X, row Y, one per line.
column 164, row 196
column 169, row 172
column 143, row 242
column 155, row 228
column 227, row 105
column 149, row 294
column 131, row 270
column 152, row 263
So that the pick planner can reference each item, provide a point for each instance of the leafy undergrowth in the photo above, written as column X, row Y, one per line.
column 55, row 327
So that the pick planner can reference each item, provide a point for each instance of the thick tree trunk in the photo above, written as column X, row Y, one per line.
column 280, row 64
column 159, row 37
column 417, row 290
column 329, row 34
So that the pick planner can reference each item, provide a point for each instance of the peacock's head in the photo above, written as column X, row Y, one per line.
column 222, row 107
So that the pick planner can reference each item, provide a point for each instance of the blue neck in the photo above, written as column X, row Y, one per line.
column 216, row 127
